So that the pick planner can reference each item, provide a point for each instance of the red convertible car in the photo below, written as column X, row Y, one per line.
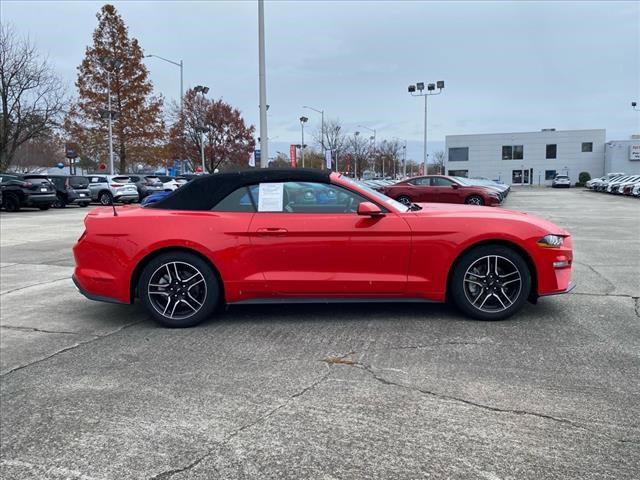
column 311, row 236
column 440, row 189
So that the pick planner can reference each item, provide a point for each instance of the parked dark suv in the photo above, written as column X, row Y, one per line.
column 17, row 192
column 70, row 189
column 147, row 184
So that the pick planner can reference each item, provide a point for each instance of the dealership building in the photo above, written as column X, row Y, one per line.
column 535, row 158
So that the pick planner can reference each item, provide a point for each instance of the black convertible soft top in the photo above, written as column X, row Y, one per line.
column 205, row 192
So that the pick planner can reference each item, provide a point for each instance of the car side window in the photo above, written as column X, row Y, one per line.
column 310, row 197
column 441, row 182
column 420, row 181
column 237, row 201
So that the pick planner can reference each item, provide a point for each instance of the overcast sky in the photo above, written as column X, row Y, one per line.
column 507, row 66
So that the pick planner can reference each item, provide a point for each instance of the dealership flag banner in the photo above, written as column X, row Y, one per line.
column 292, row 154
column 327, row 157
column 252, row 159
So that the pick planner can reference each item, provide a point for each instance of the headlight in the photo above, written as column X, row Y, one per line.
column 551, row 241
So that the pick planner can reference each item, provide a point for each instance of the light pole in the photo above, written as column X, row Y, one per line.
column 430, row 91
column 303, row 120
column 262, row 73
column 373, row 138
column 113, row 65
column 179, row 65
column 202, row 128
column 321, row 112
column 357, row 153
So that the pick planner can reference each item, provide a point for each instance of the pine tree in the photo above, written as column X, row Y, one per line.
column 139, row 127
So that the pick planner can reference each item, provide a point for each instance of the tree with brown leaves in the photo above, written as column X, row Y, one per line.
column 228, row 142
column 138, row 128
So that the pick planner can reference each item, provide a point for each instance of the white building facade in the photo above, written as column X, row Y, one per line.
column 527, row 158
column 623, row 156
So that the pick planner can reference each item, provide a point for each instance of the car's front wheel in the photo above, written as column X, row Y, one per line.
column 105, row 198
column 490, row 282
column 179, row 289
column 474, row 200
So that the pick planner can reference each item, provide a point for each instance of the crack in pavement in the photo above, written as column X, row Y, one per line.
column 71, row 347
column 35, row 285
column 170, row 473
column 33, row 329
column 371, row 371
column 611, row 285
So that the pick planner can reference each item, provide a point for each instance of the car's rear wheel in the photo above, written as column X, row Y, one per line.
column 404, row 200
column 11, row 203
column 490, row 282
column 60, row 202
column 44, row 207
column 105, row 198
column 179, row 289
column 84, row 204
column 474, row 200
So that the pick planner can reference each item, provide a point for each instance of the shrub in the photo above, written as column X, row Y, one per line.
column 584, row 177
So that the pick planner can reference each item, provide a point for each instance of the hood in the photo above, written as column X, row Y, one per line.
column 475, row 213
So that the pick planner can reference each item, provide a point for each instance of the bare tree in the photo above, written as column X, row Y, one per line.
column 359, row 146
column 33, row 96
column 389, row 157
column 334, row 138
column 438, row 162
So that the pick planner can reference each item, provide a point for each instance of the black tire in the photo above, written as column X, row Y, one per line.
column 206, row 292
column 11, row 203
column 60, row 202
column 84, row 204
column 44, row 207
column 499, row 290
column 474, row 200
column 105, row 198
column 404, row 200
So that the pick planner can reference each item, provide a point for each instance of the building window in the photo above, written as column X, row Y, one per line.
column 459, row 173
column 551, row 151
column 512, row 152
column 549, row 174
column 587, row 146
column 459, row 154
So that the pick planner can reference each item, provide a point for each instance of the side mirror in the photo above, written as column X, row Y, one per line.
column 455, row 186
column 370, row 210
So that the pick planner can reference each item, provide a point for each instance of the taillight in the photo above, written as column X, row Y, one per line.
column 117, row 184
column 27, row 184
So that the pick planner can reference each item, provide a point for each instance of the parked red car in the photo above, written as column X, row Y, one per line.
column 440, row 189
column 311, row 236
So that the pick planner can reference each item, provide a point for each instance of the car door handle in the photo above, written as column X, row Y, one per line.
column 271, row 231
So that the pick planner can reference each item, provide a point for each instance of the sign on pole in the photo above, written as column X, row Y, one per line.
column 634, row 151
column 327, row 157
column 257, row 156
column 292, row 155
column 252, row 160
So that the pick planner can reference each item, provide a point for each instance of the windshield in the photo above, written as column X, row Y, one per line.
column 377, row 195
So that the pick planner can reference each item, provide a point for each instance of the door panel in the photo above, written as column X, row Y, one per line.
column 327, row 254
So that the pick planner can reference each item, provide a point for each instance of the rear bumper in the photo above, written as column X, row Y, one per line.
column 91, row 296
column 125, row 197
column 40, row 199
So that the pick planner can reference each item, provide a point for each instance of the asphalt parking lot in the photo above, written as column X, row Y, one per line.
column 98, row 391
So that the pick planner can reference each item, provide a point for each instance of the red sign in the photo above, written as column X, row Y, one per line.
column 102, row 166
column 198, row 169
column 292, row 154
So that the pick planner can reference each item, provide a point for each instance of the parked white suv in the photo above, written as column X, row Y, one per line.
column 561, row 181
column 108, row 189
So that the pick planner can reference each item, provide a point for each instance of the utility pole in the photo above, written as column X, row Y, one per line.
column 264, row 136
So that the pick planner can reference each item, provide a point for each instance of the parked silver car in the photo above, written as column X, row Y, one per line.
column 108, row 189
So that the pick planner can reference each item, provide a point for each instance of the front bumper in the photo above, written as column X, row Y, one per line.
column 571, row 286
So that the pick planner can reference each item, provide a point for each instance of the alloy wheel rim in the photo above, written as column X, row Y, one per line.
column 474, row 201
column 492, row 284
column 177, row 290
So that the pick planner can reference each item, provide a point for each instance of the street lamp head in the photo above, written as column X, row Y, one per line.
column 634, row 104
column 303, row 119
column 356, row 133
column 205, row 90
column 412, row 88
column 431, row 87
column 440, row 84
column 420, row 86
column 197, row 88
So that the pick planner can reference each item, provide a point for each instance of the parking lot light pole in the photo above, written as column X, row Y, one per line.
column 179, row 65
column 112, row 65
column 321, row 112
column 303, row 120
column 431, row 87
column 262, row 81
column 202, row 128
column 373, row 138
